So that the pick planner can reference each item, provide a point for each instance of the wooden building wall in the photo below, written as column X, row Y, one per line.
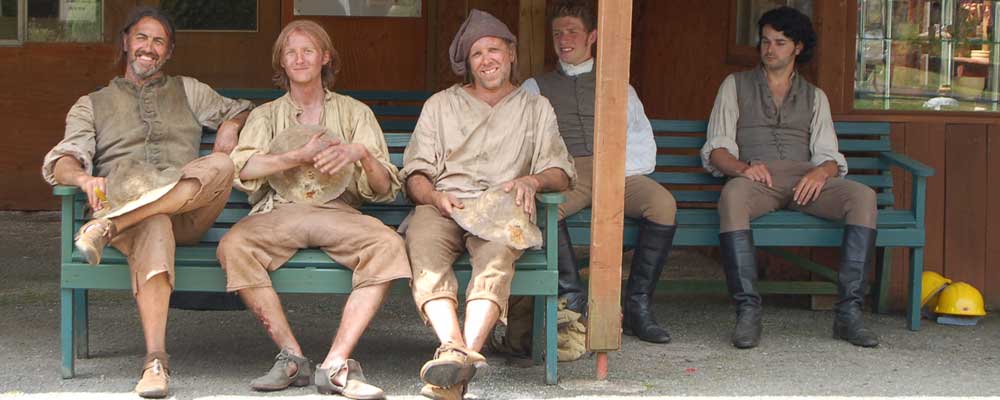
column 680, row 56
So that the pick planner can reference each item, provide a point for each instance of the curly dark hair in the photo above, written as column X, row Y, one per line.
column 793, row 24
column 582, row 9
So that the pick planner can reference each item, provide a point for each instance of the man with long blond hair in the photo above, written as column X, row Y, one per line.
column 279, row 224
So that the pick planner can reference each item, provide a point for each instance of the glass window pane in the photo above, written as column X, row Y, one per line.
column 927, row 55
column 64, row 21
column 8, row 19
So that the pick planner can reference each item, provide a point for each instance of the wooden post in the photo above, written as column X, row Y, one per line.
column 531, row 38
column 610, row 122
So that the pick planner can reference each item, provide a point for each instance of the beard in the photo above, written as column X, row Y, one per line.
column 143, row 72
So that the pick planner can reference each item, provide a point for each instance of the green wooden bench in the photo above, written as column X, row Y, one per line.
column 310, row 270
column 870, row 158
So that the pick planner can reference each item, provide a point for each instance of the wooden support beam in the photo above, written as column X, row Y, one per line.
column 610, row 122
column 531, row 38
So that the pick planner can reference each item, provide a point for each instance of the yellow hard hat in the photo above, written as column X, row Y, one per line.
column 931, row 283
column 960, row 298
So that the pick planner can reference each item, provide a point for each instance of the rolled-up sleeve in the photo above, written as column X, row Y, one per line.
column 550, row 150
column 209, row 107
column 369, row 134
column 823, row 141
column 255, row 139
column 79, row 140
column 423, row 153
column 721, row 132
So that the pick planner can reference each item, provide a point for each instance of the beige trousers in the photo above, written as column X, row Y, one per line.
column 841, row 199
column 150, row 244
column 435, row 242
column 262, row 243
column 644, row 197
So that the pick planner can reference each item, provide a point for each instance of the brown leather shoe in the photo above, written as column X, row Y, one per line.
column 93, row 237
column 155, row 376
column 277, row 378
column 451, row 364
column 453, row 392
column 357, row 386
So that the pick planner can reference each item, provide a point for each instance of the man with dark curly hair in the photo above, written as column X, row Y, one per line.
column 771, row 133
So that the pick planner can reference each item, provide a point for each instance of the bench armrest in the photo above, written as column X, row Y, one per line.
column 550, row 198
column 65, row 190
column 913, row 166
column 920, row 173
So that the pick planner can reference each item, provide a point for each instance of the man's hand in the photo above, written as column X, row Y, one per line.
column 89, row 184
column 757, row 172
column 446, row 202
column 524, row 192
column 227, row 137
column 337, row 156
column 810, row 186
column 306, row 154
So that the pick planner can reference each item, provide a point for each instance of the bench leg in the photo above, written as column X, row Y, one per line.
column 883, row 276
column 66, row 332
column 551, row 340
column 80, row 326
column 916, row 273
column 538, row 330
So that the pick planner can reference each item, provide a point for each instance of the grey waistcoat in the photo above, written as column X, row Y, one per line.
column 765, row 132
column 153, row 124
column 572, row 98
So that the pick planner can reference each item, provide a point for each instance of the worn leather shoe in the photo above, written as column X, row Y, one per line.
column 357, row 387
column 453, row 392
column 451, row 364
column 277, row 378
column 93, row 237
column 155, row 376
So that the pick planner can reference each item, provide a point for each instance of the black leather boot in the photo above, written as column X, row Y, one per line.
column 739, row 261
column 651, row 251
column 570, row 286
column 855, row 254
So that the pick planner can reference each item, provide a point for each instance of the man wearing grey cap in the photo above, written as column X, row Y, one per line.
column 486, row 132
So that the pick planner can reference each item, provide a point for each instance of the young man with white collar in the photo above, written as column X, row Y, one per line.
column 571, row 90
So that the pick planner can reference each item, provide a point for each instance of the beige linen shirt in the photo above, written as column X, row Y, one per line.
column 80, row 141
column 352, row 118
column 465, row 146
column 721, row 133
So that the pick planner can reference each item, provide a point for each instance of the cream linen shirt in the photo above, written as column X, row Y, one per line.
column 352, row 118
column 465, row 146
column 721, row 133
column 80, row 140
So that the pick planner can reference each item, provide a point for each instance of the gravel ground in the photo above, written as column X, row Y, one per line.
column 215, row 354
